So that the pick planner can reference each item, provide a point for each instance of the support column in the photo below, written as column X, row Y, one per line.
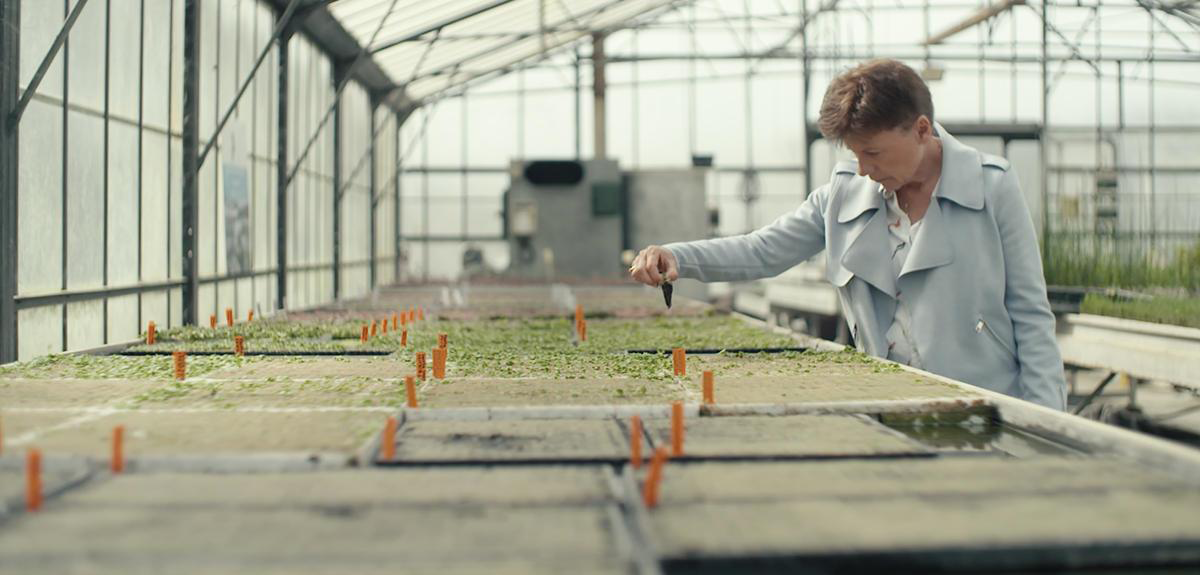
column 10, row 44
column 578, row 110
column 191, row 155
column 338, row 72
column 374, row 188
column 1042, row 141
column 805, row 91
column 396, row 198
column 281, row 172
column 599, row 87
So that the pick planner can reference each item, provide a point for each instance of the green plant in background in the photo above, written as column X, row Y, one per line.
column 1168, row 310
column 1094, row 261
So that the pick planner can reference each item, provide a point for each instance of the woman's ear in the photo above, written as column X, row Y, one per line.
column 924, row 128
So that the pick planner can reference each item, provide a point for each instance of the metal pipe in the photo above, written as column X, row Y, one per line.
column 1153, row 140
column 140, row 144
column 28, row 301
column 578, row 109
column 337, row 96
column 833, row 55
column 982, row 15
column 425, row 204
column 397, row 171
column 373, row 194
column 276, row 34
column 805, row 90
column 191, row 133
column 438, row 26
column 47, row 60
column 104, row 134
column 1044, row 155
column 599, row 146
column 457, row 64
column 520, row 115
column 338, row 184
column 281, row 173
column 463, row 179
column 691, row 82
column 635, row 121
column 10, row 58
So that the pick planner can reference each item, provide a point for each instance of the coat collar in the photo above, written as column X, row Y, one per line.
column 962, row 172
column 961, row 180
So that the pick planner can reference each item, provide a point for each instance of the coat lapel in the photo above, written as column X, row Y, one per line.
column 867, row 254
column 932, row 247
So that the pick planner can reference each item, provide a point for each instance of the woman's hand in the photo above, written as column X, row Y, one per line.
column 654, row 265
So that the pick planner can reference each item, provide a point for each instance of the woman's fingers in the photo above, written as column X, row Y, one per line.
column 652, row 262
column 652, row 265
column 667, row 265
column 637, row 270
column 671, row 274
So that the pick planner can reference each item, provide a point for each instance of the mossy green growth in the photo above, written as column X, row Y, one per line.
column 275, row 336
column 264, row 329
column 356, row 391
column 116, row 366
column 542, row 348
column 665, row 333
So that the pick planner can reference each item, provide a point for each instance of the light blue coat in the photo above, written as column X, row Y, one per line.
column 973, row 276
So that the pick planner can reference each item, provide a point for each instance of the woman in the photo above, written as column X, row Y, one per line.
column 928, row 241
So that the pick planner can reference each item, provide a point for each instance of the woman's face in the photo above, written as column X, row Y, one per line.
column 892, row 157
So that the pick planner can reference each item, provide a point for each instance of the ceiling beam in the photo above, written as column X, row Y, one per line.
column 439, row 25
column 982, row 15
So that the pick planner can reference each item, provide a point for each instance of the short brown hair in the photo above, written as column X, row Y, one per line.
column 875, row 96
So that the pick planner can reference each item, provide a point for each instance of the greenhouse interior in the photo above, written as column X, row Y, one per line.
column 366, row 286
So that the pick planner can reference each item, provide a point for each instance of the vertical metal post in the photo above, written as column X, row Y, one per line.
column 140, row 144
column 463, row 178
column 599, row 129
column 1045, row 155
column 374, row 186
column 281, row 172
column 982, row 32
column 425, row 204
column 1153, row 140
column 805, row 81
column 65, row 189
column 578, row 110
column 168, row 215
column 338, row 72
column 10, row 44
column 104, row 158
column 191, row 130
column 396, row 199
column 634, row 104
column 1120, row 97
column 692, row 136
column 748, row 90
column 1012, row 70
column 520, row 116
column 1098, row 82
